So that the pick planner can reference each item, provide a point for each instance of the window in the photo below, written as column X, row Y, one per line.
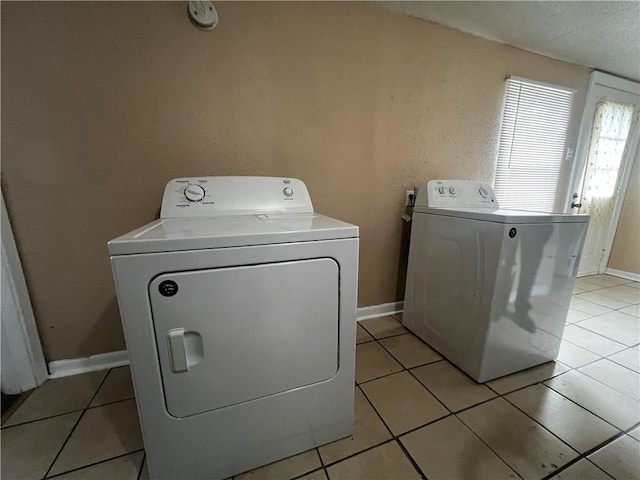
column 532, row 144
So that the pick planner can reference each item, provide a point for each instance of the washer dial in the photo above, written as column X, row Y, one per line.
column 194, row 193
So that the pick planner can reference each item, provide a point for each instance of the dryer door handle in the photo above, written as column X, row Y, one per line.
column 177, row 351
column 186, row 349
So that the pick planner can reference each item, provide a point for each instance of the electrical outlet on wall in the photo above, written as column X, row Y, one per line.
column 410, row 198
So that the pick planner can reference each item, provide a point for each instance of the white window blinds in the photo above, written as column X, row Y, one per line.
column 532, row 144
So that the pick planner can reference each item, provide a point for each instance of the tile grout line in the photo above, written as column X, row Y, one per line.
column 580, row 455
column 330, row 464
column 536, row 382
column 608, row 357
column 486, row 384
column 485, row 443
column 413, row 462
column 503, row 395
column 585, row 408
column 595, row 333
column 614, row 299
column 626, row 347
column 404, row 368
column 430, row 392
column 537, row 422
column 397, row 438
column 570, row 464
column 364, row 450
column 98, row 463
column 65, row 413
column 585, row 278
column 625, row 284
column 451, row 413
column 575, row 295
column 23, row 396
column 111, row 403
column 606, row 442
column 620, row 433
column 377, row 413
column 76, row 425
column 304, row 474
column 394, row 437
column 586, row 454
column 144, row 459
column 455, row 414
column 612, row 361
column 601, row 357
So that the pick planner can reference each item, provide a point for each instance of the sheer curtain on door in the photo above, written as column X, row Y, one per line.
column 612, row 123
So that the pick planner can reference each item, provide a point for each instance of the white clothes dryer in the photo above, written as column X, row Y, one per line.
column 489, row 288
column 239, row 311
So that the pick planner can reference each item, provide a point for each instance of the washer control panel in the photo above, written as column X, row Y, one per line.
column 456, row 194
column 216, row 196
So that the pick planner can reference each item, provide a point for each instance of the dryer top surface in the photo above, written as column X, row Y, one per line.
column 179, row 234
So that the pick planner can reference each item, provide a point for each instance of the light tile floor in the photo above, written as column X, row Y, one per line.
column 417, row 416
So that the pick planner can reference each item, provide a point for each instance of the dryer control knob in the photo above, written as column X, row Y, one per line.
column 452, row 190
column 483, row 192
column 441, row 190
column 287, row 191
column 194, row 193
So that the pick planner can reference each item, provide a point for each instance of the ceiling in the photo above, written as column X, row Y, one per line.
column 599, row 34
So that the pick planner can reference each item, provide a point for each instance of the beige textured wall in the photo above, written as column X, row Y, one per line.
column 625, row 252
column 102, row 103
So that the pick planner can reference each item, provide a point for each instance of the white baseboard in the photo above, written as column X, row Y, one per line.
column 626, row 275
column 75, row 366
column 104, row 361
column 381, row 310
column 587, row 274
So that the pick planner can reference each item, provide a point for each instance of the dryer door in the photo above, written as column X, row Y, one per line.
column 231, row 335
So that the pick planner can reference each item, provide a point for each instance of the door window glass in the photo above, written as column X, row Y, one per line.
column 611, row 126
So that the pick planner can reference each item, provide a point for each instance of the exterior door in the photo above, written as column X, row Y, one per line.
column 608, row 142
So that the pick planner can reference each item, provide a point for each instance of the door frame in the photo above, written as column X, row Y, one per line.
column 597, row 81
column 23, row 364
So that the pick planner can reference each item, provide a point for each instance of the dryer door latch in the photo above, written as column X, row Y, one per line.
column 185, row 349
column 177, row 353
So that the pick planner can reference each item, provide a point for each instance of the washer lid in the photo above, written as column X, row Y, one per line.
column 500, row 215
column 177, row 234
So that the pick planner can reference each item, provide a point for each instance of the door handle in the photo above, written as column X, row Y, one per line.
column 573, row 203
column 177, row 352
column 185, row 349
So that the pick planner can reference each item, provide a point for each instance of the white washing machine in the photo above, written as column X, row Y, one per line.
column 489, row 288
column 239, row 311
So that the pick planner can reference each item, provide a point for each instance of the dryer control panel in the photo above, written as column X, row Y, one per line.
column 217, row 196
column 456, row 194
